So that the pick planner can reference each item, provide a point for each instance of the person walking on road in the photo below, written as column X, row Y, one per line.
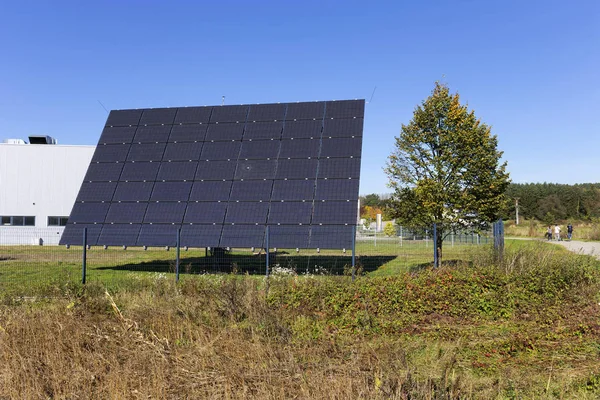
column 549, row 232
column 570, row 231
column 557, row 232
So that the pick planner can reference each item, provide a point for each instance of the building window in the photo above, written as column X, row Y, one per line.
column 17, row 220
column 57, row 221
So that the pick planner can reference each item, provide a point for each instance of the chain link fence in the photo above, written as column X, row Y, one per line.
column 27, row 266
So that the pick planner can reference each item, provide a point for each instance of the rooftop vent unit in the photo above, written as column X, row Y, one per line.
column 14, row 141
column 40, row 139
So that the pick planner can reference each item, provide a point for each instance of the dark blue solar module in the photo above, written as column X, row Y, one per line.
column 263, row 130
column 152, row 134
column 193, row 115
column 188, row 133
column 222, row 175
column 117, row 135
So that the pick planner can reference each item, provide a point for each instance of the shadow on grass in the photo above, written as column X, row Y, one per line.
column 256, row 264
column 444, row 263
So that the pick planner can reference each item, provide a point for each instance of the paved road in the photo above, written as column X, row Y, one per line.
column 591, row 248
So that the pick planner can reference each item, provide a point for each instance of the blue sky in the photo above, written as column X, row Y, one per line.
column 530, row 69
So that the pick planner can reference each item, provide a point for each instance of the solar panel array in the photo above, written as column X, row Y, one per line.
column 222, row 174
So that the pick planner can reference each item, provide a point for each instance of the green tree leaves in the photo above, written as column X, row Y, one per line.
column 445, row 167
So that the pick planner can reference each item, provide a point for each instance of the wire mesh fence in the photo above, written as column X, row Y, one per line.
column 26, row 265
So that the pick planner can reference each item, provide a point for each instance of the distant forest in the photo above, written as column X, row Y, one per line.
column 552, row 201
column 546, row 202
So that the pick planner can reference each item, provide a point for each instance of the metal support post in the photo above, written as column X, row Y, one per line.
column 353, row 253
column 267, row 250
column 177, row 255
column 84, row 257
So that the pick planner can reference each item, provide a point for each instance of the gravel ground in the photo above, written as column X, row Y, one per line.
column 591, row 248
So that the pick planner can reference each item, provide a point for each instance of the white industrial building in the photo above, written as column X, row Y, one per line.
column 39, row 182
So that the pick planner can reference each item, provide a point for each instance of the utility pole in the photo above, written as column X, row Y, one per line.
column 517, row 210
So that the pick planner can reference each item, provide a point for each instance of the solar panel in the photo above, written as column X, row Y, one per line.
column 152, row 134
column 263, row 130
column 314, row 110
column 177, row 171
column 223, row 174
column 182, row 151
column 171, row 191
column 111, row 153
column 165, row 212
column 140, row 171
column 242, row 236
column 220, row 151
column 158, row 235
column 294, row 189
column 117, row 134
column 146, row 152
column 225, row 132
column 188, row 133
column 345, row 109
column 303, row 129
column 339, row 168
column 300, row 148
column 133, row 191
column 119, row 234
column 267, row 112
column 103, row 172
column 336, row 189
column 331, row 236
column 193, row 115
column 201, row 235
column 255, row 169
column 74, row 234
column 124, row 117
column 158, row 116
column 335, row 212
column 210, row 190
column 215, row 170
column 343, row 127
column 289, row 236
column 340, row 147
column 88, row 212
column 126, row 213
column 205, row 213
column 290, row 213
column 251, row 190
column 229, row 114
column 297, row 169
column 260, row 149
column 96, row 191
column 247, row 213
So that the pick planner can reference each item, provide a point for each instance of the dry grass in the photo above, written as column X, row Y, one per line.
column 315, row 337
column 536, row 229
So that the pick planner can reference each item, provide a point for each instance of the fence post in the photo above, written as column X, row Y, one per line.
column 267, row 250
column 84, row 257
column 353, row 253
column 499, row 239
column 177, row 255
column 436, row 261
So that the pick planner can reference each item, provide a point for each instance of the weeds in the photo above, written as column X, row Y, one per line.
column 525, row 328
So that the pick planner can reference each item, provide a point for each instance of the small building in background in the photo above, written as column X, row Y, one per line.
column 39, row 182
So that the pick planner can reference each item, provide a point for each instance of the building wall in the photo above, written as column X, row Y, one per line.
column 40, row 181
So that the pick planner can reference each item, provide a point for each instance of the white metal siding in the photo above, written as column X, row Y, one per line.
column 40, row 181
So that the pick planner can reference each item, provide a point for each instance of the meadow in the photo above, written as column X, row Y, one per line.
column 476, row 328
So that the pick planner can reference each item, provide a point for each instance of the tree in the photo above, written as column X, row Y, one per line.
column 445, row 168
column 372, row 200
column 390, row 229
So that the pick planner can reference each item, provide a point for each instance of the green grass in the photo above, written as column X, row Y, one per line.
column 28, row 269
